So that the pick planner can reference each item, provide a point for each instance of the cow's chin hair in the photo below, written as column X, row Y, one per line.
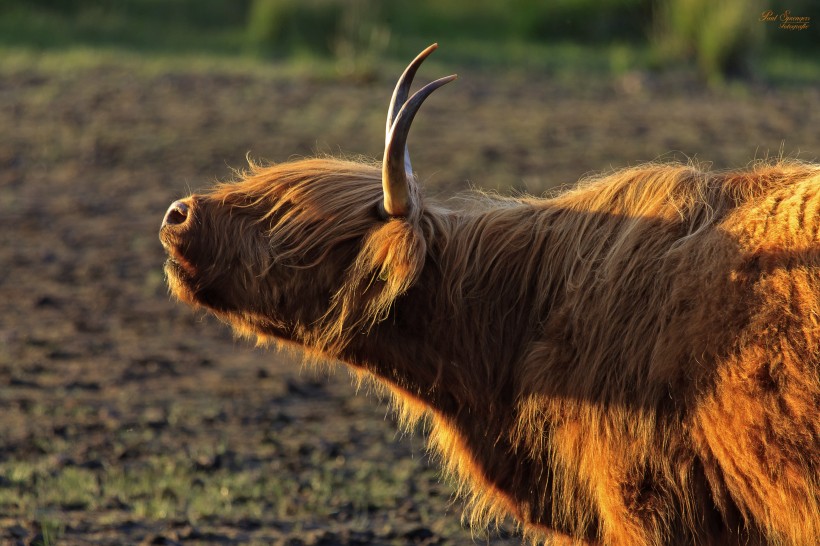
column 179, row 283
column 187, row 288
column 244, row 323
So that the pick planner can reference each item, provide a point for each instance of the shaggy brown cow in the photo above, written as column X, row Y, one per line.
column 634, row 361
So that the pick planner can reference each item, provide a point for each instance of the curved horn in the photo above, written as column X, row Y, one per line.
column 396, row 168
column 402, row 90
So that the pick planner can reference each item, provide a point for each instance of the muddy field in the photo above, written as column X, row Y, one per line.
column 127, row 418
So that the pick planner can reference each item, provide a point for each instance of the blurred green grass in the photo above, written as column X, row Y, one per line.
column 195, row 488
column 355, row 37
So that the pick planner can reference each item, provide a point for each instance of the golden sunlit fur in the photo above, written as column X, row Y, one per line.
column 634, row 361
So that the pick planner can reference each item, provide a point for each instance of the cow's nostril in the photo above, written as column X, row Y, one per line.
column 177, row 214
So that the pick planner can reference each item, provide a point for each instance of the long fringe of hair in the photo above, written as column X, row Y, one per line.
column 498, row 254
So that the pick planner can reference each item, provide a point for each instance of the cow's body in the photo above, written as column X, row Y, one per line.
column 631, row 362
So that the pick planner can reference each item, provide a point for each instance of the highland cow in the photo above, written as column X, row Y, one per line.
column 631, row 362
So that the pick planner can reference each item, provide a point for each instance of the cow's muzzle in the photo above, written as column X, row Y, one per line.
column 175, row 233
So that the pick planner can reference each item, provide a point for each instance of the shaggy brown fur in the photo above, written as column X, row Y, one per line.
column 631, row 362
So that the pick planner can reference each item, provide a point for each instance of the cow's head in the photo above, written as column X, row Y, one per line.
column 270, row 252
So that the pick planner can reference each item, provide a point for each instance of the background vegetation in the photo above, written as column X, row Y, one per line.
column 718, row 38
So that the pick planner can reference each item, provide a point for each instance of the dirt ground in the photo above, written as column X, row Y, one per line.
column 126, row 418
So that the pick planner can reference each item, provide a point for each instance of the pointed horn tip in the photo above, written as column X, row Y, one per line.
column 426, row 52
column 443, row 81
